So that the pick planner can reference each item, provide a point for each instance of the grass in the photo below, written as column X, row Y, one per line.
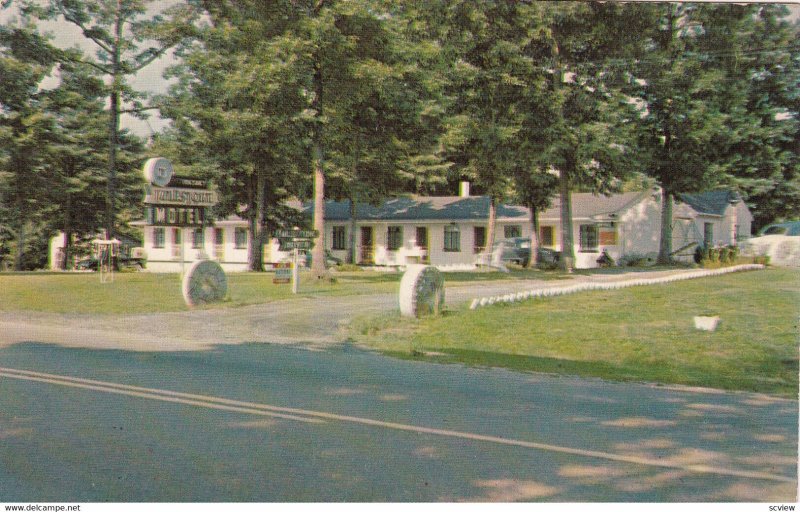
column 144, row 292
column 641, row 334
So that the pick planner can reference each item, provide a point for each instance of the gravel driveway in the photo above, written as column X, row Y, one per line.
column 308, row 319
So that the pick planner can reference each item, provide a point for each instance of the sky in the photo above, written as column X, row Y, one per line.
column 150, row 79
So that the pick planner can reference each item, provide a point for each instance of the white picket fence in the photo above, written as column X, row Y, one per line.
column 616, row 285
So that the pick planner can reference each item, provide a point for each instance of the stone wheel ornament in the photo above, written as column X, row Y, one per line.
column 204, row 282
column 421, row 291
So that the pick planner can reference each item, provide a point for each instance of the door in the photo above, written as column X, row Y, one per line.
column 367, row 245
column 422, row 241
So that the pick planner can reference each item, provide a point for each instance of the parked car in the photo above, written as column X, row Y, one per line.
column 120, row 263
column 548, row 258
column 782, row 228
column 515, row 250
column 781, row 242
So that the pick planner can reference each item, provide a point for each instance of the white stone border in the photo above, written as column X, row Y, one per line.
column 584, row 287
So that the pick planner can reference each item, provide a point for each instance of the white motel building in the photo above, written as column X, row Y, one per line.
column 451, row 231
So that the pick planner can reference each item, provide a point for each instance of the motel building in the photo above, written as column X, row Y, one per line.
column 450, row 232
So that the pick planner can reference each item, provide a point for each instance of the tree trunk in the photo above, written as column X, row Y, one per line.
column 352, row 258
column 65, row 263
column 490, row 229
column 318, row 269
column 261, row 217
column 534, row 259
column 567, row 262
column 255, row 255
column 665, row 244
column 20, row 252
column 113, row 132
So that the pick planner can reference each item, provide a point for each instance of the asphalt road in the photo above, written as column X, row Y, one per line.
column 264, row 423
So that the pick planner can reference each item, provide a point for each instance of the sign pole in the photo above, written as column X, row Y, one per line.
column 295, row 272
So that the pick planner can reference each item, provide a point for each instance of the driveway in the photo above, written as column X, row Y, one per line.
column 305, row 319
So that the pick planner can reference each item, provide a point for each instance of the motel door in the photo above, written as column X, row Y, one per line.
column 367, row 245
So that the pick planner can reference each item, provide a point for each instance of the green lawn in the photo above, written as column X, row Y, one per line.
column 145, row 292
column 642, row 333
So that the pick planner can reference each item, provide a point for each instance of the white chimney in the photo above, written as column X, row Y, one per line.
column 463, row 189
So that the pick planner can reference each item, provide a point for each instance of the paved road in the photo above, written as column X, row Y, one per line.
column 265, row 422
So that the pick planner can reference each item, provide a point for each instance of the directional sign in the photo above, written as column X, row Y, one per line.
column 303, row 245
column 283, row 273
column 296, row 233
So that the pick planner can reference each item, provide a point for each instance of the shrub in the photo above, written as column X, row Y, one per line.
column 633, row 260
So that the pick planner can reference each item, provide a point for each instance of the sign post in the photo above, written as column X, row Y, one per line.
column 296, row 271
column 295, row 240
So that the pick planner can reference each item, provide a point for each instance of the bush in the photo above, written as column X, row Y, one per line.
column 761, row 259
column 633, row 260
column 716, row 257
column 348, row 267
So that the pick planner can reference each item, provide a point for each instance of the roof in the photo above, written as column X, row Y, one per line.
column 413, row 208
column 592, row 206
column 714, row 202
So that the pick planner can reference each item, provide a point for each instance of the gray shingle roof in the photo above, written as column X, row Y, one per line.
column 420, row 208
column 714, row 202
column 585, row 205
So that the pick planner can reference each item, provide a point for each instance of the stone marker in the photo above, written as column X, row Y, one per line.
column 421, row 291
column 204, row 282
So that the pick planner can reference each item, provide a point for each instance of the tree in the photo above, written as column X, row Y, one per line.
column 765, row 156
column 74, row 159
column 692, row 94
column 534, row 188
column 240, row 111
column 311, row 79
column 490, row 75
column 25, row 130
column 127, row 41
column 581, row 126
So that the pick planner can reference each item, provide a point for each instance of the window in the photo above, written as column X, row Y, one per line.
column 546, row 236
column 339, row 238
column 198, row 238
column 158, row 238
column 512, row 231
column 589, row 237
column 177, row 238
column 219, row 236
column 422, row 237
column 479, row 239
column 240, row 238
column 394, row 238
column 708, row 234
column 452, row 238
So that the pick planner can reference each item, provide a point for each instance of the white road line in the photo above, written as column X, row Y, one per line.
column 311, row 415
column 160, row 397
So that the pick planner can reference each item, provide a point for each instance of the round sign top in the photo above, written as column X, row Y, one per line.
column 158, row 171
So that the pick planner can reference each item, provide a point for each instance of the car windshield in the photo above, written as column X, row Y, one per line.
column 775, row 230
